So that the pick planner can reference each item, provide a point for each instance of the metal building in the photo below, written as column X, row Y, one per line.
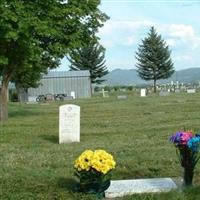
column 64, row 82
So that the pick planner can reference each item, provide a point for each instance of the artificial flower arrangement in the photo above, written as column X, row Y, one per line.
column 93, row 170
column 188, row 146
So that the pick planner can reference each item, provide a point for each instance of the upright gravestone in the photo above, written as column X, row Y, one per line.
column 73, row 95
column 69, row 123
column 143, row 92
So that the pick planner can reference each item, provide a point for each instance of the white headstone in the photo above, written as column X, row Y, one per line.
column 143, row 92
column 177, row 84
column 191, row 91
column 69, row 123
column 128, row 187
column 32, row 99
column 73, row 94
column 122, row 97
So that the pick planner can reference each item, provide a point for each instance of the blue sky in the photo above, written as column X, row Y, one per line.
column 177, row 21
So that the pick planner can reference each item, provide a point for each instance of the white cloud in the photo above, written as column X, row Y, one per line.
column 129, row 41
column 181, row 34
column 121, row 33
column 112, row 26
column 184, row 57
column 181, row 30
column 125, row 36
column 171, row 42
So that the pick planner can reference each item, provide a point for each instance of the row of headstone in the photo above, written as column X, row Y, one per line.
column 143, row 92
column 50, row 97
column 69, row 118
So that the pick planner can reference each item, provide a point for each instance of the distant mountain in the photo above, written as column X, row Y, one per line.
column 130, row 77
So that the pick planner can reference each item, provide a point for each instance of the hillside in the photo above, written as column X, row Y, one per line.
column 130, row 77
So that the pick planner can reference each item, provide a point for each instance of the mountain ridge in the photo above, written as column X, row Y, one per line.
column 129, row 77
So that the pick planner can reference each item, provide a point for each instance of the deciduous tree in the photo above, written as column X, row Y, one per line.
column 36, row 32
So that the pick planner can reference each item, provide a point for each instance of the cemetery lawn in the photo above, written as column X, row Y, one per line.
column 136, row 131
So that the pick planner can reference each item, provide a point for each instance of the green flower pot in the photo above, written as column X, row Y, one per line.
column 188, row 175
column 94, row 185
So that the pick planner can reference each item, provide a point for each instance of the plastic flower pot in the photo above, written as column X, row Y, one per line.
column 94, row 185
column 188, row 175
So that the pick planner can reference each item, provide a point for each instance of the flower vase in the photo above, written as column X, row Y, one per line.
column 188, row 174
column 94, row 185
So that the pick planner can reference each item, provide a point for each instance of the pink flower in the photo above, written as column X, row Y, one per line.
column 185, row 136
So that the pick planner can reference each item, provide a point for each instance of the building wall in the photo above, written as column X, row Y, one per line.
column 63, row 85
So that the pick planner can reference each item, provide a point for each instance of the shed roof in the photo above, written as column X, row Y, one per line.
column 80, row 73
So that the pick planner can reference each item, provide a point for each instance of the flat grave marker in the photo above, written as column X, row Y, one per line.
column 122, row 188
column 191, row 91
column 164, row 93
column 124, row 97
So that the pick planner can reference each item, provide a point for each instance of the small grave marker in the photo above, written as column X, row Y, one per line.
column 164, row 93
column 73, row 95
column 143, row 92
column 49, row 97
column 177, row 91
column 32, row 99
column 128, row 187
column 191, row 91
column 104, row 93
column 69, row 123
column 124, row 97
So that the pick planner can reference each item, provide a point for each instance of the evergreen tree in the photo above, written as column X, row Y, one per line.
column 89, row 57
column 153, row 58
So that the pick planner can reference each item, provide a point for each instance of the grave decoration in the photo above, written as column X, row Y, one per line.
column 188, row 146
column 93, row 170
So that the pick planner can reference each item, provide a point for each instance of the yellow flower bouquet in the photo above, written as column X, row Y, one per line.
column 92, row 169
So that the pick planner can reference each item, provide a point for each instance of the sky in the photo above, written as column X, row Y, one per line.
column 178, row 22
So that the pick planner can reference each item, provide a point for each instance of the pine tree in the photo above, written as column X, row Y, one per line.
column 153, row 58
column 89, row 57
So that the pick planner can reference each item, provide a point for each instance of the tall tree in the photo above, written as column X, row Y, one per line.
column 153, row 58
column 33, row 33
column 89, row 57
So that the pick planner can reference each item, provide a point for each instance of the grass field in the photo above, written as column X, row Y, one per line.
column 136, row 131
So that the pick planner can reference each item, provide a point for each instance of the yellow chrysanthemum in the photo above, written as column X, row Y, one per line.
column 83, row 162
column 102, row 161
column 99, row 160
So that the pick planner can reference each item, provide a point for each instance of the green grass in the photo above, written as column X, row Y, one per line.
column 136, row 131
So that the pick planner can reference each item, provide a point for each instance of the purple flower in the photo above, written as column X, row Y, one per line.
column 176, row 138
column 181, row 138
